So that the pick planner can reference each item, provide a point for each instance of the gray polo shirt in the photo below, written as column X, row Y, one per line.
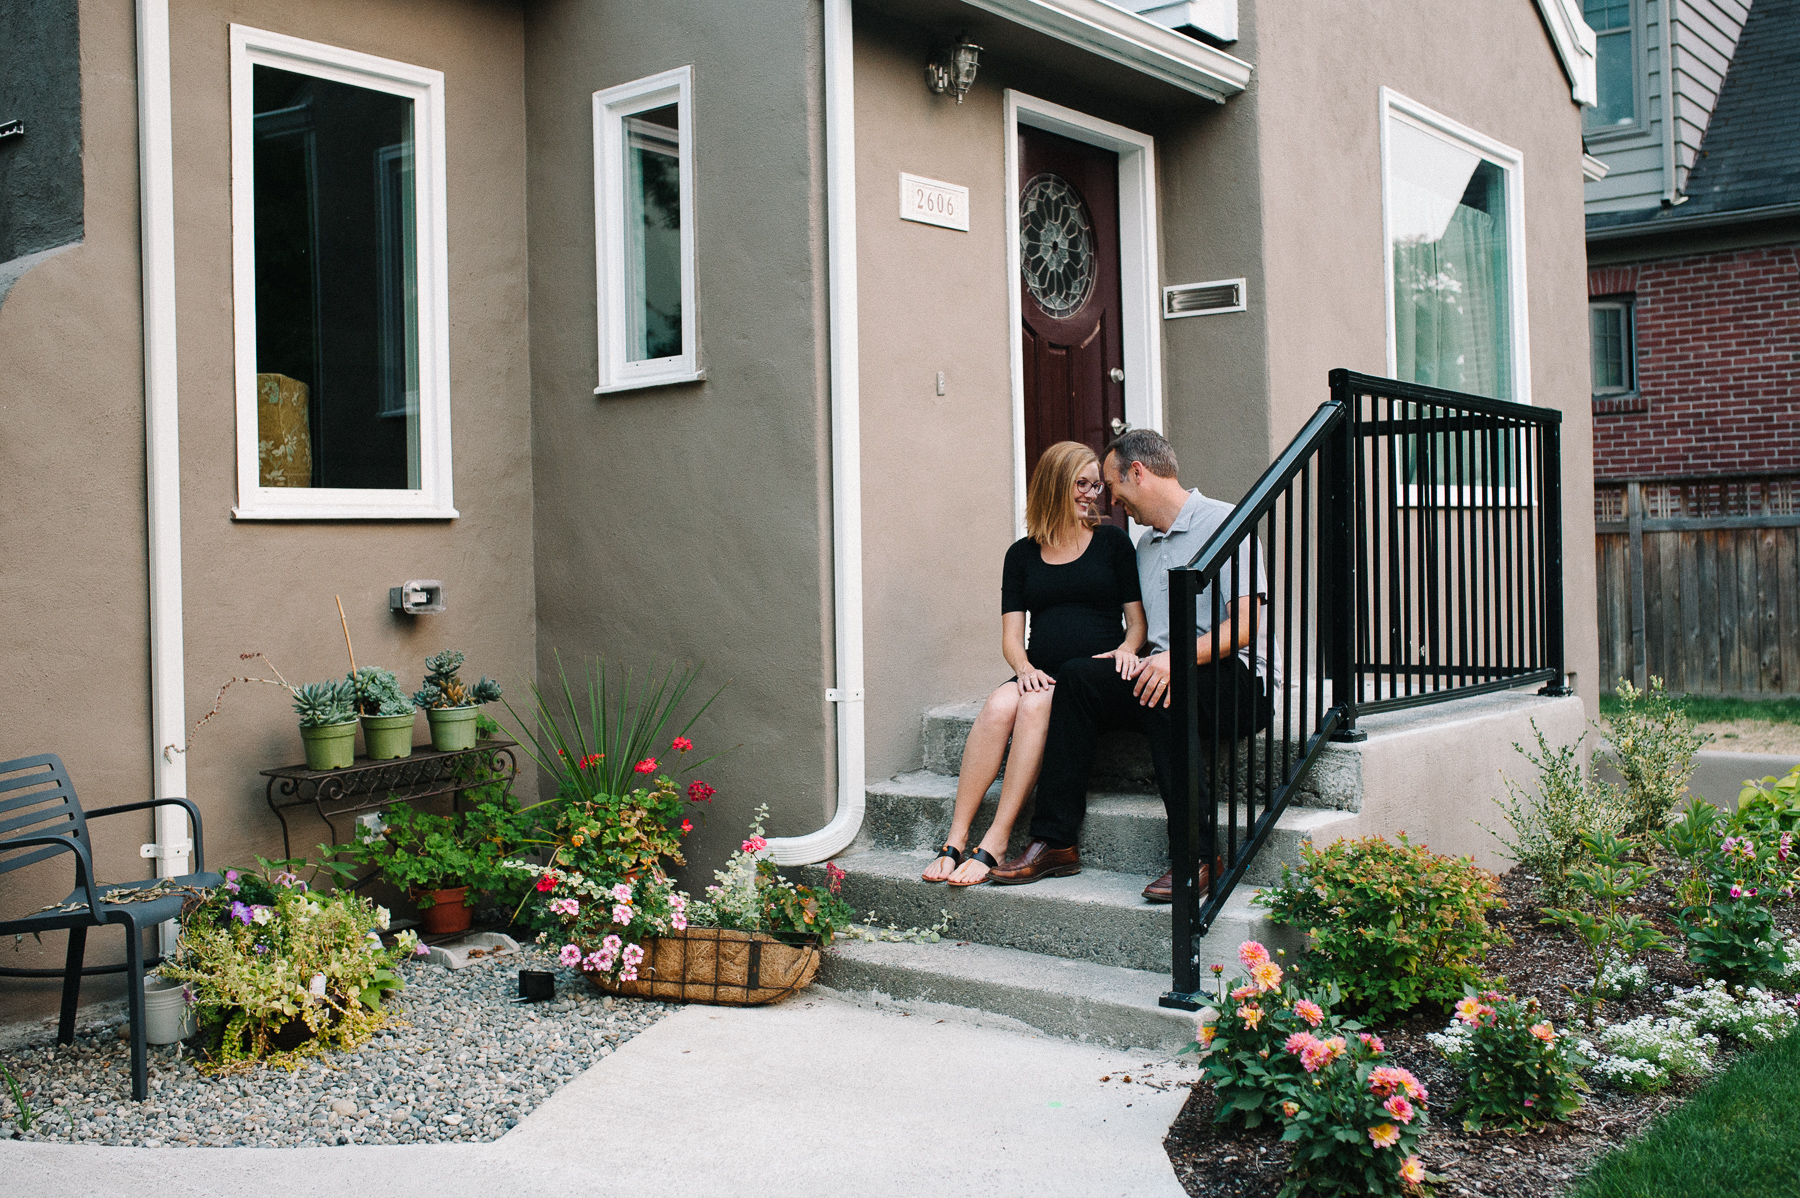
column 1160, row 552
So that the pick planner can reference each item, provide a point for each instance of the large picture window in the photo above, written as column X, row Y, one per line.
column 644, row 232
column 339, row 260
column 1455, row 255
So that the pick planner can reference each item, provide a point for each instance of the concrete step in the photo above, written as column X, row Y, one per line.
column 980, row 983
column 1097, row 915
column 1127, row 833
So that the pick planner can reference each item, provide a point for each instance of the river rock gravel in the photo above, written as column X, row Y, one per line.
column 461, row 1061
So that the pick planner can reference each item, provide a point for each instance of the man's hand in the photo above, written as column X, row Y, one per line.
column 1034, row 679
column 1152, row 689
column 1124, row 661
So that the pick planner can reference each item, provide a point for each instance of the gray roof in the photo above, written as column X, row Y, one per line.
column 1750, row 155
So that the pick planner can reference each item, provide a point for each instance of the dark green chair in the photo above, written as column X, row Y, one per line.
column 41, row 817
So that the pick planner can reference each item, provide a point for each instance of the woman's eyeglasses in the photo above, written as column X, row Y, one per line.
column 1084, row 487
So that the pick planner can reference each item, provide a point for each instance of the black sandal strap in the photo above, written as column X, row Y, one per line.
column 985, row 857
column 955, row 854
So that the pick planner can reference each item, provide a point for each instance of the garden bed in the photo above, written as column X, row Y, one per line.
column 1219, row 1162
column 460, row 1062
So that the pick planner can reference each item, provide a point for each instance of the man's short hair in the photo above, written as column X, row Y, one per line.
column 1150, row 448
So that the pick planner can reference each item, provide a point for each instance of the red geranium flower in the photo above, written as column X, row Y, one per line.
column 687, row 825
column 646, row 766
column 681, row 744
column 700, row 792
column 546, row 882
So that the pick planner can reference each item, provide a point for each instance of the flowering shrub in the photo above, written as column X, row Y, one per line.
column 1354, row 1122
column 262, row 953
column 1737, row 870
column 1243, row 1043
column 1754, row 1016
column 602, row 925
column 1660, row 1048
column 750, row 895
column 1518, row 1070
column 1393, row 925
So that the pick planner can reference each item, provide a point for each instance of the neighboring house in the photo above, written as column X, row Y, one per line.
column 1694, row 309
column 750, row 339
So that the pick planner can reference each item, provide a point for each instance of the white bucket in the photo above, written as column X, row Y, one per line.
column 167, row 1015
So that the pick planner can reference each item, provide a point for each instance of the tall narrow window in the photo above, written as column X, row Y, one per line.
column 1610, row 338
column 643, row 207
column 1615, row 66
column 338, row 261
column 1455, row 272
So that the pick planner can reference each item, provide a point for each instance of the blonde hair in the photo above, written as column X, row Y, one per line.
column 1050, row 511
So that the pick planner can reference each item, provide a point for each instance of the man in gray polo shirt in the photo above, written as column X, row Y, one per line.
column 1092, row 695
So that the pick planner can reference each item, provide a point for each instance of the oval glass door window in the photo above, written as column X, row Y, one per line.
column 1056, row 246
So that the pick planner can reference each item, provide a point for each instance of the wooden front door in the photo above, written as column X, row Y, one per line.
column 1069, row 285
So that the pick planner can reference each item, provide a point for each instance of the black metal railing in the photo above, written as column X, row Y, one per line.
column 1407, row 549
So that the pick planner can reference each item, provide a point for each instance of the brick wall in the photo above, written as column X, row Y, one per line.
column 1718, row 359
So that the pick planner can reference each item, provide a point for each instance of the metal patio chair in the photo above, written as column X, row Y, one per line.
column 41, row 817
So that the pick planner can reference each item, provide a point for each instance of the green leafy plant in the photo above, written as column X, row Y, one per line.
column 1653, row 744
column 322, row 704
column 1769, row 807
column 1241, row 1043
column 1547, row 825
column 1393, row 925
column 420, row 851
column 445, row 688
column 750, row 895
column 1608, row 934
column 377, row 692
column 1736, row 871
column 1356, row 1127
column 264, row 955
column 1518, row 1071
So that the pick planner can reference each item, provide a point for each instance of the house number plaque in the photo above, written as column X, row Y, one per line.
column 934, row 202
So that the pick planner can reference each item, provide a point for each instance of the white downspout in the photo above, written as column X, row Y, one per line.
column 846, row 450
column 162, row 447
column 1671, row 193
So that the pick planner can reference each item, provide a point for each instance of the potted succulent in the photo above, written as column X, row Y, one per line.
column 451, row 705
column 387, row 718
column 327, row 723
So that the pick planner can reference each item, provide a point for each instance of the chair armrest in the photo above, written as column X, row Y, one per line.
column 84, row 864
column 172, row 801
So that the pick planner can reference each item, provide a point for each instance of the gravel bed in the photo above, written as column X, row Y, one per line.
column 460, row 1063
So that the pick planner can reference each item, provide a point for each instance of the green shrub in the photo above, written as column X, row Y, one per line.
column 1393, row 925
column 1653, row 744
column 1518, row 1070
column 1356, row 1128
column 1610, row 935
column 1547, row 826
column 1737, row 869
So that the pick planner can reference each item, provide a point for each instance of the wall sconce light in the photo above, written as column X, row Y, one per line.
column 953, row 68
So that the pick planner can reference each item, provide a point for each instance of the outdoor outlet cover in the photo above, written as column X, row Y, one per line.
column 417, row 597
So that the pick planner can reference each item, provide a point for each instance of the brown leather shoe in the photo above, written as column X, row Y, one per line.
column 1163, row 889
column 1038, row 860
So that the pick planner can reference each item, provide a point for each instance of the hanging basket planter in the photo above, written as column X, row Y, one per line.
column 719, row 966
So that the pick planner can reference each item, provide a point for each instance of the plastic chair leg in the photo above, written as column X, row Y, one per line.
column 71, row 998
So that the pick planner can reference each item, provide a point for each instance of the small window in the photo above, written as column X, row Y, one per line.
column 644, row 212
column 1615, row 66
column 339, row 259
column 1612, row 339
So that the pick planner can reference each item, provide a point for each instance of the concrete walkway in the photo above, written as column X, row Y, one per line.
column 815, row 1095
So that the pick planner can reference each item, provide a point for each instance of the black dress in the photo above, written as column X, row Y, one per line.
column 1077, row 609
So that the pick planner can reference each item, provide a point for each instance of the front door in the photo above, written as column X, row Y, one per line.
column 1069, row 283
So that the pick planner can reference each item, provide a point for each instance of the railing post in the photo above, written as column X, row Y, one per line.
column 1192, row 842
column 1553, row 562
column 1338, row 581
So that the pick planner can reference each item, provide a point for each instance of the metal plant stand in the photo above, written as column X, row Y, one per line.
column 370, row 785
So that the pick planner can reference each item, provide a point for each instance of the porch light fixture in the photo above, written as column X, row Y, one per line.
column 953, row 68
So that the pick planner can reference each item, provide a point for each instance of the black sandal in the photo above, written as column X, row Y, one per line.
column 986, row 858
column 956, row 857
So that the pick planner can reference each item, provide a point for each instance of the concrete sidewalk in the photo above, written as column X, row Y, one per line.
column 814, row 1095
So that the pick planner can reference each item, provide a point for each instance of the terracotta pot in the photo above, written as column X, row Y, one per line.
column 446, row 913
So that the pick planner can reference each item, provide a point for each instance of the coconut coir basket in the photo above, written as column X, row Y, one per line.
column 716, row 965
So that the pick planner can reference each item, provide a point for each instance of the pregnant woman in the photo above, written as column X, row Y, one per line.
column 1077, row 579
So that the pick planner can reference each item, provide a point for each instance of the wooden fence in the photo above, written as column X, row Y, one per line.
column 1699, row 584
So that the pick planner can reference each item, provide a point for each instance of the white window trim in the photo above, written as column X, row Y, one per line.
column 1139, row 275
column 611, row 106
column 1396, row 106
column 433, row 500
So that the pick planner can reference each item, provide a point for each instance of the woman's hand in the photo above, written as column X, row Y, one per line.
column 1033, row 679
column 1125, row 662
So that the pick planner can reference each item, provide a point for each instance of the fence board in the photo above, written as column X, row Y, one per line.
column 1725, row 543
column 1704, row 665
column 1787, row 557
column 1768, row 590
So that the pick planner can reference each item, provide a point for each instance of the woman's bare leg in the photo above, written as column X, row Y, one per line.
column 1031, row 727
column 982, row 754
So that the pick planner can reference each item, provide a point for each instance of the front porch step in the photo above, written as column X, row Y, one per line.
column 1077, row 1000
column 1097, row 915
column 1125, row 833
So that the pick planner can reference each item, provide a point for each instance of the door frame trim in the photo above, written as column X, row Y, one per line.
column 1139, row 273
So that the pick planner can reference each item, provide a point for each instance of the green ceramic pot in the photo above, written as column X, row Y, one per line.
column 388, row 736
column 330, row 746
column 452, row 728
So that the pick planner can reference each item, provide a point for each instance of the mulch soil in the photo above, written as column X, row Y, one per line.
column 1214, row 1161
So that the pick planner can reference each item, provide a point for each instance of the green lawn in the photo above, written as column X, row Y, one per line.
column 1707, row 709
column 1739, row 1137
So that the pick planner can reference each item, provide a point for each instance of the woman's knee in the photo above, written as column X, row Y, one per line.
column 1002, row 707
column 1035, row 707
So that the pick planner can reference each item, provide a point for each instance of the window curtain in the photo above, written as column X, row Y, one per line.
column 1449, row 301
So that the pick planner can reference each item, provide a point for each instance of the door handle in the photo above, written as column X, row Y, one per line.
column 1120, row 427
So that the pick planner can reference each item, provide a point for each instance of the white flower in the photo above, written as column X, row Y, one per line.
column 381, row 918
column 262, row 914
column 318, row 985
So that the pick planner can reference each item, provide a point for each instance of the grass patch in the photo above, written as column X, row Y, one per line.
column 1739, row 1136
column 1712, row 709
